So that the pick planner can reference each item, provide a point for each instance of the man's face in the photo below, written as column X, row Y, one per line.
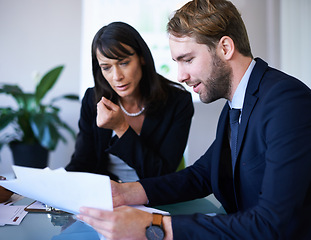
column 201, row 69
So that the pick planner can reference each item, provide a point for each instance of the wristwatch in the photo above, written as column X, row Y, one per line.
column 155, row 230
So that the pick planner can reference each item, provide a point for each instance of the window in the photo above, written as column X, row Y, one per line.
column 148, row 17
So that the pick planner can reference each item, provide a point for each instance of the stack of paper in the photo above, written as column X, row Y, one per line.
column 67, row 191
column 12, row 215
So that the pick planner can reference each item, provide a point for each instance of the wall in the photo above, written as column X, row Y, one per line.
column 296, row 35
column 37, row 35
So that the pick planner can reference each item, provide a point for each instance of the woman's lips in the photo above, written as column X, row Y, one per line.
column 122, row 87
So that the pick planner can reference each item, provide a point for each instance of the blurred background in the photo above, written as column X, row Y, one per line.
column 37, row 35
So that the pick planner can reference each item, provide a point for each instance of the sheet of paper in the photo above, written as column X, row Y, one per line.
column 67, row 191
column 150, row 210
column 12, row 215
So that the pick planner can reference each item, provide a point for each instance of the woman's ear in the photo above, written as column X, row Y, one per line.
column 226, row 47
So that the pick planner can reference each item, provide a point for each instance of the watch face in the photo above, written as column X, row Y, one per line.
column 154, row 233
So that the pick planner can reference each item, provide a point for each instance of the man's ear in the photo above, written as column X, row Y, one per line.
column 226, row 47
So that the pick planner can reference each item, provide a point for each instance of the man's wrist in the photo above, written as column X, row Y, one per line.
column 134, row 194
column 167, row 226
column 155, row 230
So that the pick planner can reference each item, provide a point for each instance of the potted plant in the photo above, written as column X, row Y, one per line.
column 36, row 125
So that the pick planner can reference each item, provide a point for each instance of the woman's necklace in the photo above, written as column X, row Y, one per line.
column 131, row 114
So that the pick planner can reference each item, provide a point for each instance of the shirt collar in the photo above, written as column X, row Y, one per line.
column 238, row 97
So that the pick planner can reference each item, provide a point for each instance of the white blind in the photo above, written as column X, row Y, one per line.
column 296, row 38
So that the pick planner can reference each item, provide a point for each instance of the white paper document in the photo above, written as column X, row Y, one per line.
column 150, row 210
column 12, row 215
column 67, row 191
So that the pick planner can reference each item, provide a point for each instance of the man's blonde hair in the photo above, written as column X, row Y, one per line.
column 208, row 21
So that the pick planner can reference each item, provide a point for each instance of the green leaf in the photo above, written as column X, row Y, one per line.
column 60, row 124
column 34, row 122
column 50, row 137
column 73, row 97
column 7, row 115
column 15, row 91
column 69, row 129
column 10, row 89
column 29, row 103
column 44, row 130
column 47, row 82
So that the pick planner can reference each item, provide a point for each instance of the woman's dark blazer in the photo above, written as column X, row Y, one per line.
column 158, row 149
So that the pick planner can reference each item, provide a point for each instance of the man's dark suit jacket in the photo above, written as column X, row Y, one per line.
column 156, row 151
column 269, row 194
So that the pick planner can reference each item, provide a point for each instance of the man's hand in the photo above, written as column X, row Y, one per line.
column 123, row 223
column 109, row 115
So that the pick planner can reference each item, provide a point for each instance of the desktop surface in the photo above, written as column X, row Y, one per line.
column 47, row 226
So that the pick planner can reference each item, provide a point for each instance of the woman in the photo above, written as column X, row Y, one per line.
column 134, row 123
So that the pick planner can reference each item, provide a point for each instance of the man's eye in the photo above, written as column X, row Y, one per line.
column 188, row 60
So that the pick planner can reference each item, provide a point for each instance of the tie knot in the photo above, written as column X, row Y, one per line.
column 234, row 115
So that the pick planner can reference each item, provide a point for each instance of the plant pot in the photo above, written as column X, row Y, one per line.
column 29, row 155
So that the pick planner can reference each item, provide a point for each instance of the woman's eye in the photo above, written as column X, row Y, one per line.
column 124, row 63
column 105, row 68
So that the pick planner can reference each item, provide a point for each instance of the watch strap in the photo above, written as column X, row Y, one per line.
column 157, row 219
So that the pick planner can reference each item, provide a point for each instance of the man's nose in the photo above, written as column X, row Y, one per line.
column 182, row 75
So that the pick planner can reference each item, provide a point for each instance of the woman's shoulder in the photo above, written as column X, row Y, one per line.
column 89, row 92
column 88, row 100
column 89, row 95
column 179, row 101
column 176, row 90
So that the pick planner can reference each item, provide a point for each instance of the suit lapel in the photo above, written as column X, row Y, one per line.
column 250, row 100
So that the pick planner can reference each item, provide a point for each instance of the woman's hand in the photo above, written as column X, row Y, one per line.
column 5, row 194
column 109, row 115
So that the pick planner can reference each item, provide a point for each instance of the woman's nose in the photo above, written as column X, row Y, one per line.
column 117, row 74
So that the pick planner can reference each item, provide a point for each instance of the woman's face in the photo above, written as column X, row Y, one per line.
column 123, row 75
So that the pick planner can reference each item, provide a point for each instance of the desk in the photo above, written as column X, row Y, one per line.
column 43, row 226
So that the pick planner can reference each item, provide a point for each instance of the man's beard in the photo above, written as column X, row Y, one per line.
column 218, row 84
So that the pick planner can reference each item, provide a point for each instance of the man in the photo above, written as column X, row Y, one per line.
column 263, row 180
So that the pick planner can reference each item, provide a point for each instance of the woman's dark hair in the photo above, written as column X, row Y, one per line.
column 154, row 88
